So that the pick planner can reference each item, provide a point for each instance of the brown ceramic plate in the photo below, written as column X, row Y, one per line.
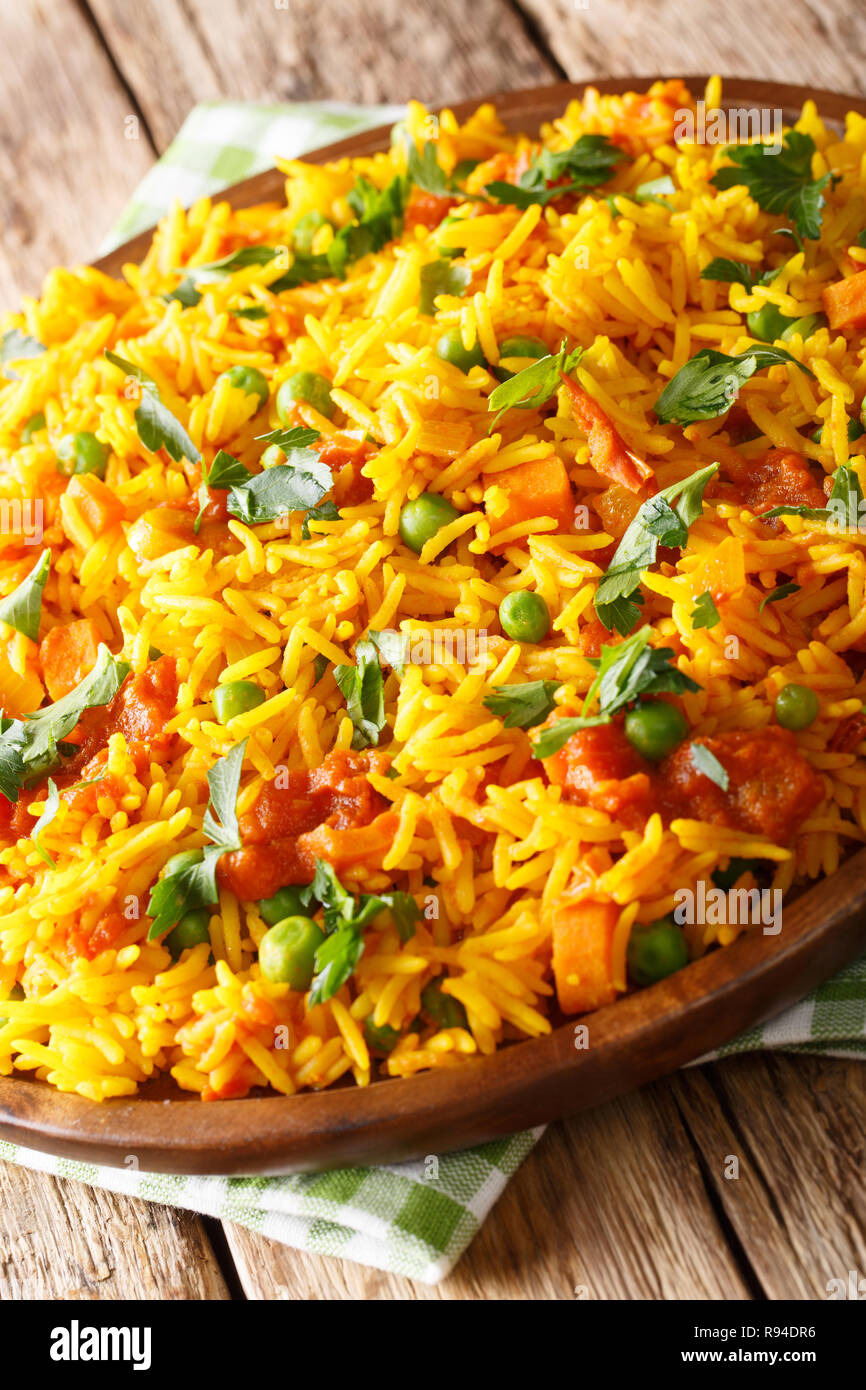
column 633, row 1041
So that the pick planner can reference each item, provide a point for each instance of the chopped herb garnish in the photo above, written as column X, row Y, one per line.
column 780, row 181
column 705, row 613
column 707, row 763
column 253, row 311
column 22, row 609
column 31, row 747
column 392, row 646
column 157, row 427
column 662, row 520
column 362, row 688
column 194, row 886
column 627, row 671
column 652, row 192
column 296, row 485
column 441, row 277
column 52, row 806
column 320, row 666
column 710, row 382
column 15, row 346
column 523, row 706
column 781, row 592
column 346, row 919
column 531, row 388
column 325, row 511
column 590, row 161
column 736, row 273
column 225, row 472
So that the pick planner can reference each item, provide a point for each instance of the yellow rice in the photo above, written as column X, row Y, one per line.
column 628, row 289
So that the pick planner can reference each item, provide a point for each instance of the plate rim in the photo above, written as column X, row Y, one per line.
column 638, row 1038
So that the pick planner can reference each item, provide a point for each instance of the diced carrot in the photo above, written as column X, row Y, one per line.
column 845, row 302
column 534, row 489
column 67, row 655
column 88, row 506
column 583, row 954
column 608, row 454
column 723, row 572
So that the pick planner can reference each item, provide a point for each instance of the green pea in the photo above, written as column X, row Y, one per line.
column 82, row 452
column 15, row 994
column 249, row 380
column 34, row 424
column 304, row 231
column 796, row 706
column 656, row 951
column 311, row 388
column 805, row 326
column 424, row 518
column 286, row 902
column 381, row 1039
column 237, row 697
column 524, row 616
column 287, row 953
column 450, row 348
column 655, row 729
column 767, row 323
column 444, row 1009
column 191, row 930
column 520, row 349
column 179, row 862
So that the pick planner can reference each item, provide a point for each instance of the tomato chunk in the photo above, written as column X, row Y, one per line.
column 608, row 454
column 67, row 654
column 845, row 302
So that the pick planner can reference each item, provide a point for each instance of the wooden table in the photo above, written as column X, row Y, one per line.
column 638, row 1199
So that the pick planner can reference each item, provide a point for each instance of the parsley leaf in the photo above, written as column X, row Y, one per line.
column 345, row 921
column 392, row 646
column 651, row 192
column 29, row 748
column 523, row 706
column 656, row 521
column 157, row 427
column 780, row 181
column 15, row 346
column 194, row 885
column 325, row 511
column 210, row 271
column 252, row 311
column 22, row 609
column 441, row 277
column 626, row 671
column 52, row 806
column 299, row 483
column 363, row 689
column 736, row 273
column 590, row 161
column 531, row 388
column 295, row 437
column 710, row 382
column 705, row 613
column 781, row 592
column 225, row 472
column 424, row 169
column 707, row 763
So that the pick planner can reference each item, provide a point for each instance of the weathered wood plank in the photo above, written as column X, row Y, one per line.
column 66, row 164
column 796, row 1127
column 782, row 40
column 174, row 55
column 609, row 1205
column 63, row 1240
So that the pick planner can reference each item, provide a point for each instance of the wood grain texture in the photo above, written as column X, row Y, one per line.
column 796, row 1126
column 62, row 1240
column 174, row 55
column 610, row 1205
column 66, row 166
column 818, row 42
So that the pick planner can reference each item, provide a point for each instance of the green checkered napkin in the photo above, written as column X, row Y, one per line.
column 414, row 1219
